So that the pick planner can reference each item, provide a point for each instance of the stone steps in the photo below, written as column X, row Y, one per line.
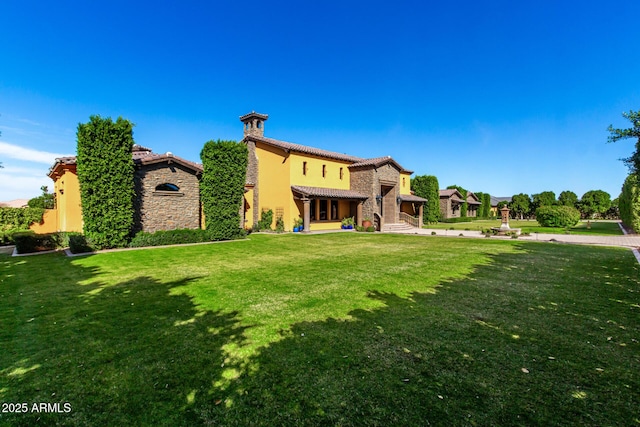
column 398, row 228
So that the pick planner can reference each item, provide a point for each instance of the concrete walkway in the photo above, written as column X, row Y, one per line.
column 628, row 241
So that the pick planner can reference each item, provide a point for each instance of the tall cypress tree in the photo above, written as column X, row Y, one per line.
column 222, row 187
column 105, row 172
column 426, row 186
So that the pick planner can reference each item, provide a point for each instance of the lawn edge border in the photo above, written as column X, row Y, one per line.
column 68, row 252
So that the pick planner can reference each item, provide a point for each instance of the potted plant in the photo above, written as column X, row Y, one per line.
column 366, row 223
column 348, row 223
column 298, row 225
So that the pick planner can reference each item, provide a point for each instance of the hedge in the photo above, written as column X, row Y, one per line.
column 557, row 216
column 29, row 242
column 629, row 203
column 222, row 187
column 19, row 218
column 105, row 172
column 171, row 237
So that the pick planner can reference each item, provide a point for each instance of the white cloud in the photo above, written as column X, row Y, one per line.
column 21, row 187
column 16, row 152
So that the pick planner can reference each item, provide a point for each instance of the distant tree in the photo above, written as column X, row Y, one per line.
column 222, row 187
column 633, row 161
column 486, row 204
column 105, row 172
column 520, row 205
column 568, row 198
column 426, row 186
column 546, row 198
column 593, row 203
column 501, row 205
column 614, row 210
column 463, row 208
column 44, row 201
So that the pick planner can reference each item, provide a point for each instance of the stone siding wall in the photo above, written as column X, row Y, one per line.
column 166, row 210
column 367, row 182
column 252, row 178
column 362, row 181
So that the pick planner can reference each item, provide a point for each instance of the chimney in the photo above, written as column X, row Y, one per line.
column 254, row 123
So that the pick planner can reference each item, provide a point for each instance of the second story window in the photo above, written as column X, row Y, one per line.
column 304, row 168
column 341, row 173
column 324, row 171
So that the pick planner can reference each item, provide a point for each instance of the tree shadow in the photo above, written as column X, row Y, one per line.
column 479, row 351
column 126, row 354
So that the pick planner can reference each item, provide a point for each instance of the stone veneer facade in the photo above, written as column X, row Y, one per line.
column 166, row 210
column 370, row 182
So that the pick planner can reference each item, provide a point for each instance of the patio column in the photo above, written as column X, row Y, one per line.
column 306, row 203
column 359, row 214
column 420, row 212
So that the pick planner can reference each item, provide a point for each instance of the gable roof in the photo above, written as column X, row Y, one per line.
column 472, row 199
column 141, row 156
column 305, row 149
column 451, row 193
column 496, row 200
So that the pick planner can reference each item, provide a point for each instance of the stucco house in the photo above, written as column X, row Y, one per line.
column 166, row 186
column 322, row 187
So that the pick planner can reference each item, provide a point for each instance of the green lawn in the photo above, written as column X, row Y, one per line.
column 335, row 329
column 602, row 228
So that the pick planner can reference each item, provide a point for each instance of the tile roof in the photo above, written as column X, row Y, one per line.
column 253, row 113
column 354, row 160
column 289, row 146
column 329, row 193
column 412, row 198
column 141, row 156
column 496, row 200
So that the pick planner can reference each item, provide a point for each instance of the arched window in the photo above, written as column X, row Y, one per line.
column 167, row 187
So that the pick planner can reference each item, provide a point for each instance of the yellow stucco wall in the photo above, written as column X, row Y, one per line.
column 314, row 176
column 274, row 190
column 49, row 222
column 404, row 183
column 248, row 209
column 67, row 188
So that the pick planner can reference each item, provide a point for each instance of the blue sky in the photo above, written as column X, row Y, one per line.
column 497, row 96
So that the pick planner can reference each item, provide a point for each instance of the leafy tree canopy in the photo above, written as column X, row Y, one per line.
column 594, row 202
column 615, row 135
column 520, row 205
column 568, row 198
column 546, row 198
column 44, row 201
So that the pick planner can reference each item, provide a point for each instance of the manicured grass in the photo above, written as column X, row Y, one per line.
column 601, row 228
column 338, row 329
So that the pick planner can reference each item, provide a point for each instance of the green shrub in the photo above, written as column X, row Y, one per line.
column 171, row 237
column 266, row 219
column 557, row 216
column 359, row 228
column 370, row 229
column 630, row 203
column 459, row 219
column 29, row 242
column 78, row 244
column 279, row 225
column 12, row 219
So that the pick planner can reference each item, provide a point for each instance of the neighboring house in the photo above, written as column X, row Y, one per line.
column 322, row 187
column 450, row 203
column 494, row 204
column 166, row 186
column 473, row 204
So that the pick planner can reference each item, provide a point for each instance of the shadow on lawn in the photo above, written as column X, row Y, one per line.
column 128, row 354
column 135, row 354
column 479, row 351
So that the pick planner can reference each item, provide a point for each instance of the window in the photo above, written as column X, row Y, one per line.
column 304, row 168
column 313, row 210
column 324, row 171
column 323, row 210
column 341, row 173
column 404, row 182
column 167, row 187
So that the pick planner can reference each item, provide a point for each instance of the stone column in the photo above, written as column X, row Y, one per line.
column 420, row 215
column 359, row 214
column 505, row 218
column 306, row 203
